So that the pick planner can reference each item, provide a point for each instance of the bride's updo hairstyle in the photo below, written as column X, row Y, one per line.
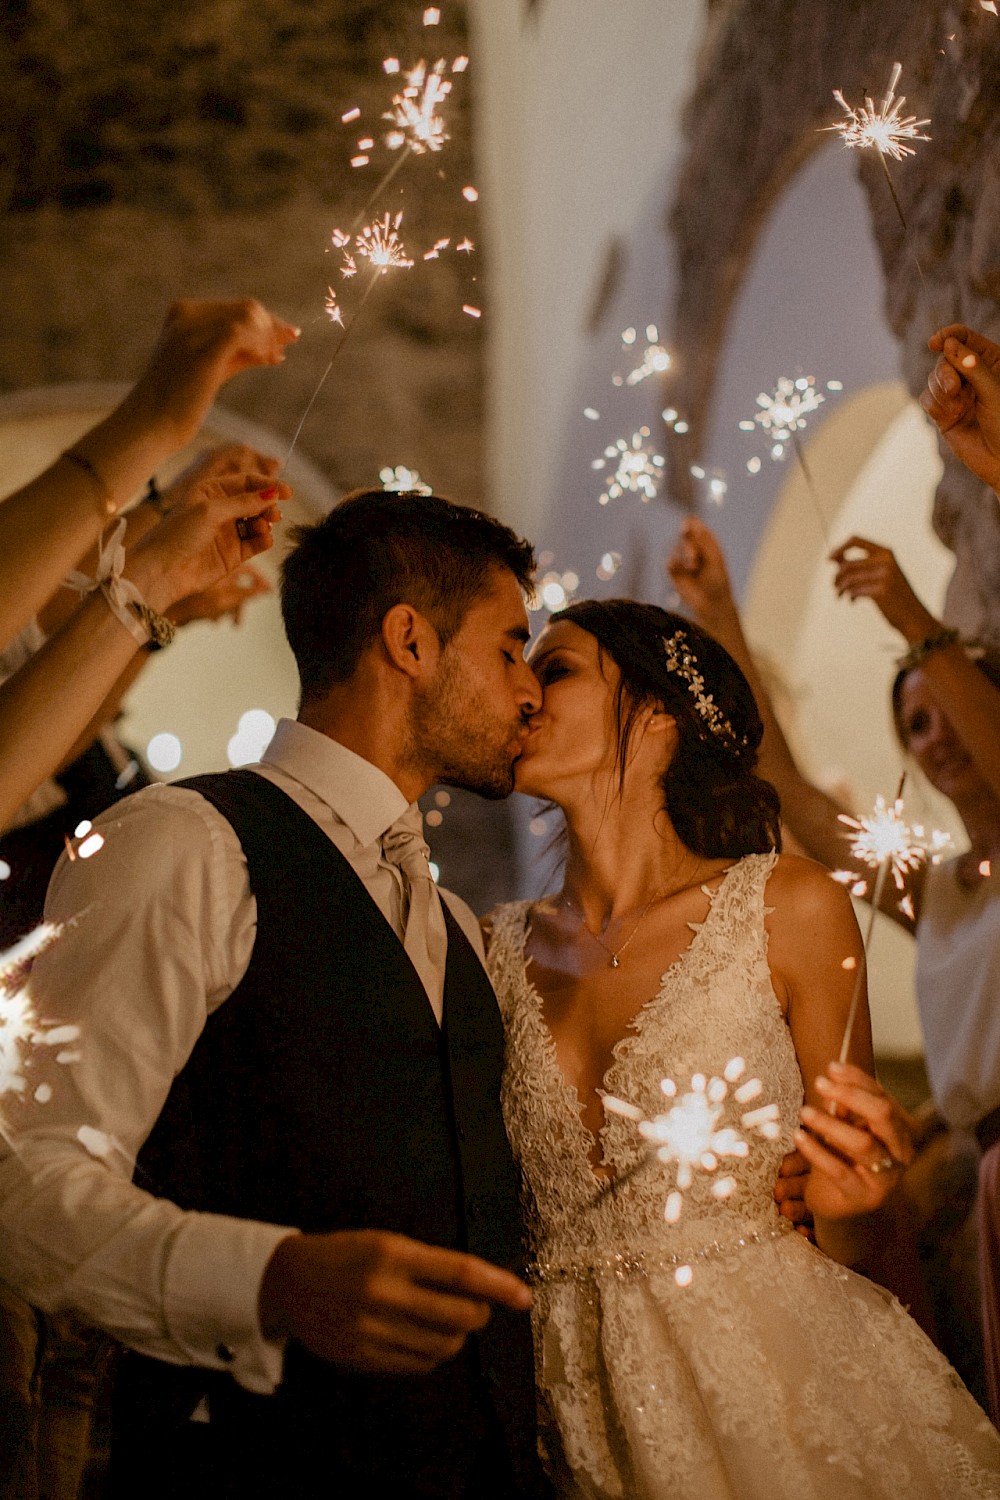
column 719, row 806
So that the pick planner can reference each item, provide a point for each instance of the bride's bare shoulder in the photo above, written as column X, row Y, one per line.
column 799, row 891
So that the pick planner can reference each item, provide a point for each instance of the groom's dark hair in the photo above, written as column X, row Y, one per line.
column 376, row 549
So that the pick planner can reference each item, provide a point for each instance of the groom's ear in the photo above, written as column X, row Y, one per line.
column 410, row 641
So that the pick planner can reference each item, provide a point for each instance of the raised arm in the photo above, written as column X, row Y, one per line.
column 968, row 700
column 47, row 526
column 697, row 568
column 47, row 705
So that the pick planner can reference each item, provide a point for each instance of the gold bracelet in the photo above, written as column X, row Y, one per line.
column 83, row 463
column 161, row 630
column 938, row 640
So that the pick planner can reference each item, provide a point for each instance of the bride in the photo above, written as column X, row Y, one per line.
column 690, row 1344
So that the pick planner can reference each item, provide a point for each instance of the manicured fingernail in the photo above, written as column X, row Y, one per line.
column 269, row 493
column 837, row 1067
column 824, row 1085
column 808, row 1113
column 968, row 363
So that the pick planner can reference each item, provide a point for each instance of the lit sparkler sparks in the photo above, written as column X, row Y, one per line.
column 784, row 411
column 883, row 129
column 885, row 838
column 20, row 1028
column 402, row 479
column 655, row 359
column 381, row 245
column 638, row 470
column 414, row 111
column 332, row 307
column 552, row 591
column 701, row 1128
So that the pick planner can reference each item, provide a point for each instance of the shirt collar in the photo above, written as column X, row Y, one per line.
column 361, row 795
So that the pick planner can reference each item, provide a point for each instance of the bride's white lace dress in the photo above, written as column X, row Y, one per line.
column 766, row 1370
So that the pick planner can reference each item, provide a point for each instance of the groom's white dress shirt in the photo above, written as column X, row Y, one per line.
column 159, row 929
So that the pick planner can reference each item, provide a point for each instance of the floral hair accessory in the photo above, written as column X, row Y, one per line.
column 682, row 662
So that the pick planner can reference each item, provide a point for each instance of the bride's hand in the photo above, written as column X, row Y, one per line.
column 858, row 1152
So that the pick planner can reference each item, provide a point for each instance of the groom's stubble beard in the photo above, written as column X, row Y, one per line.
column 458, row 736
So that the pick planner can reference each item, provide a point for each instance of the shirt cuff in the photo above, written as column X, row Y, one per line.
column 211, row 1297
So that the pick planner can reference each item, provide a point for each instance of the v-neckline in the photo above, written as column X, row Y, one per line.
column 568, row 1091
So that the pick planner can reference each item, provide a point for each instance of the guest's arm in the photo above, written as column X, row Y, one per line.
column 46, row 706
column 47, row 526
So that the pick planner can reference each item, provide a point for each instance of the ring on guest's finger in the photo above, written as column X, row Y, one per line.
column 244, row 528
column 884, row 1164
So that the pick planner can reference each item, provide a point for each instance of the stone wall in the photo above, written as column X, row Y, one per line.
column 149, row 151
column 767, row 72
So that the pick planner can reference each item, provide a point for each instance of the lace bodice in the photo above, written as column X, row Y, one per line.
column 713, row 1355
column 715, row 1003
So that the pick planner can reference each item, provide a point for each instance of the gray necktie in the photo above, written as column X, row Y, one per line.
column 426, row 937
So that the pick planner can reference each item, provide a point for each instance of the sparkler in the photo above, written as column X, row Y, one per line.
column 20, row 1028
column 414, row 111
column 884, row 842
column 782, row 414
column 637, row 469
column 655, row 359
column 698, row 1131
column 378, row 243
column 885, row 131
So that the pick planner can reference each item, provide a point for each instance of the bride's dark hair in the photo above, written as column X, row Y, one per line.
column 719, row 806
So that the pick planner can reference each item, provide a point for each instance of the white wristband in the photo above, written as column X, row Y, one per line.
column 118, row 591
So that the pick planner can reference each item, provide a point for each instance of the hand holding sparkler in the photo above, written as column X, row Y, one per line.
column 857, row 1147
column 697, row 568
column 963, row 398
column 202, row 345
column 866, row 570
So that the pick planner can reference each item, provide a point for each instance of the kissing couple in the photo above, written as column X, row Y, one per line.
column 318, row 1135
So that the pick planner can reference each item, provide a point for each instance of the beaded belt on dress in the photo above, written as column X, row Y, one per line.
column 628, row 1263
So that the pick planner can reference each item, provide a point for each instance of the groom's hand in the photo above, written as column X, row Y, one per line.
column 790, row 1193
column 377, row 1301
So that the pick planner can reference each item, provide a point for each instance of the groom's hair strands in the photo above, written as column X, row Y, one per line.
column 376, row 549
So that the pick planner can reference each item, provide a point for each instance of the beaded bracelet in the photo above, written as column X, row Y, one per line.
column 161, row 630
column 936, row 641
column 83, row 463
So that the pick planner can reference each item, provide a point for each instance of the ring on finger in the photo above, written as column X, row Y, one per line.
column 244, row 528
column 885, row 1163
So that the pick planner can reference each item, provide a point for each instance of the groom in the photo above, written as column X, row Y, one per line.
column 290, row 1028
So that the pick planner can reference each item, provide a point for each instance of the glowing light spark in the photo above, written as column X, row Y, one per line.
column 465, row 247
column 472, row 312
column 332, row 307
column 655, row 359
column 470, row 194
column 402, row 479
column 702, row 1127
column 390, row 64
column 553, row 591
column 786, row 409
column 985, row 869
column 414, row 111
column 608, row 566
column 432, row 16
column 360, row 161
column 381, row 245
column 352, row 114
column 883, row 129
column 990, row 5
column 885, row 838
column 20, row 1028
column 637, row 469
column 460, row 64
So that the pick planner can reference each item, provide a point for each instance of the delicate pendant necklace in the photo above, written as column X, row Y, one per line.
column 614, row 954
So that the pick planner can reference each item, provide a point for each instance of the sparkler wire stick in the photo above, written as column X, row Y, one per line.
column 810, row 486
column 859, row 978
column 375, row 273
column 364, row 212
